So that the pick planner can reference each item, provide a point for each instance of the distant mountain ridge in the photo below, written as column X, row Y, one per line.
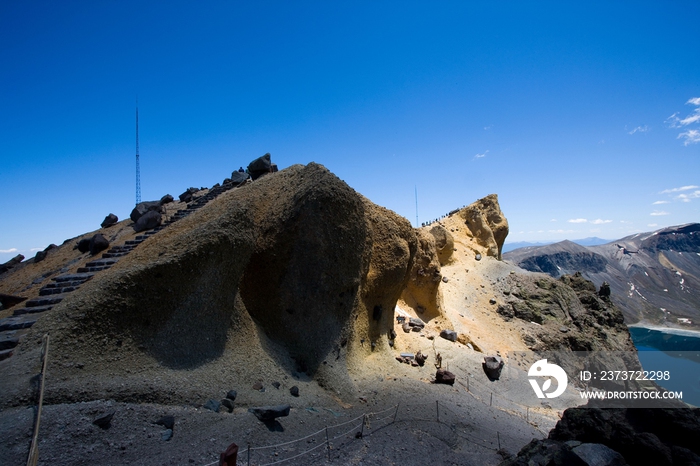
column 590, row 241
column 654, row 277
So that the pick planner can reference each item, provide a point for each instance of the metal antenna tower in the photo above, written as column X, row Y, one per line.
column 416, row 188
column 138, row 165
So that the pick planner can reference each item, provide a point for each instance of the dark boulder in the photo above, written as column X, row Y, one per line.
column 98, row 243
column 450, row 335
column 231, row 395
column 144, row 207
column 187, row 195
column 148, row 221
column 604, row 291
column 239, row 177
column 270, row 413
column 492, row 367
column 7, row 300
column 109, row 220
column 294, row 391
column 84, row 245
column 167, row 199
column 41, row 255
column 11, row 263
column 260, row 166
column 227, row 404
column 445, row 377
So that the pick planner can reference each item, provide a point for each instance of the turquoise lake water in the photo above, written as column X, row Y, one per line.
column 676, row 351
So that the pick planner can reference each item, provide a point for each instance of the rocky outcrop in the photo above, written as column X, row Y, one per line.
column 297, row 258
column 487, row 224
column 444, row 243
column 422, row 289
column 655, row 436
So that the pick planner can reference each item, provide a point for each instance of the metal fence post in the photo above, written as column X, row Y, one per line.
column 396, row 412
column 437, row 408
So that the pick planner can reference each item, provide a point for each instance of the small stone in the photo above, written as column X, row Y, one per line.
column 276, row 385
column 405, row 327
column 294, row 391
column 227, row 404
column 450, row 335
column 258, row 386
column 231, row 395
column 492, row 301
column 166, row 421
column 445, row 279
column 104, row 422
column 563, row 329
column 269, row 413
column 167, row 434
column 444, row 377
column 212, row 405
column 478, row 257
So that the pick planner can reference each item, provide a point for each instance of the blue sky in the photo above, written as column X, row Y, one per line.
column 583, row 117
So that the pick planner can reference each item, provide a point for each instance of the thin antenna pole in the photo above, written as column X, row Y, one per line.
column 138, row 164
column 416, row 188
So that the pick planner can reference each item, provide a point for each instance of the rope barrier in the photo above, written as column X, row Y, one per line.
column 492, row 444
column 294, row 457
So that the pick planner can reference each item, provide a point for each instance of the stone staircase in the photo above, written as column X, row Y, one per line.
column 13, row 329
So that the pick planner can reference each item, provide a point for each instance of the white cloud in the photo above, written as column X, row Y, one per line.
column 8, row 251
column 599, row 221
column 479, row 156
column 660, row 202
column 626, row 222
column 553, row 220
column 36, row 249
column 561, row 231
column 639, row 129
column 653, row 225
column 688, row 197
column 658, row 213
column 578, row 220
column 691, row 136
column 676, row 190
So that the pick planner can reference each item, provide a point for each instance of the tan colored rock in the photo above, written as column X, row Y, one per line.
column 422, row 290
column 487, row 224
column 444, row 243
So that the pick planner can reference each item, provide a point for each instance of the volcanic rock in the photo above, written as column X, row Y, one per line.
column 144, row 207
column 109, row 220
column 148, row 221
column 98, row 243
column 270, row 413
column 492, row 367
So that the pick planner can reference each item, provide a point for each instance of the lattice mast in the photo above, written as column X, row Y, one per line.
column 138, row 164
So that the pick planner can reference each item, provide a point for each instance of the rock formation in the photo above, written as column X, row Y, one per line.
column 487, row 224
